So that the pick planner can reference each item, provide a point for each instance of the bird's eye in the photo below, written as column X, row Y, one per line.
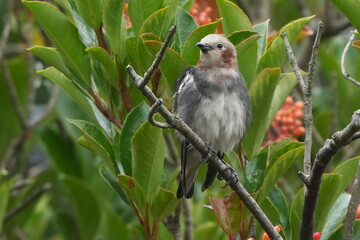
column 219, row 46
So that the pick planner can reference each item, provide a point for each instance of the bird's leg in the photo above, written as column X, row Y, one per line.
column 234, row 177
column 210, row 154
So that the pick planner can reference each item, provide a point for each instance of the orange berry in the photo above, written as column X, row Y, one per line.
column 297, row 122
column 298, row 132
column 265, row 237
column 299, row 104
column 358, row 213
column 208, row 10
column 298, row 114
column 289, row 100
column 277, row 228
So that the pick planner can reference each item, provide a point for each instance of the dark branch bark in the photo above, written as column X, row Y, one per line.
column 323, row 157
column 223, row 168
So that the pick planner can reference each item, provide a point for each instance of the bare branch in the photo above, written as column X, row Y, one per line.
column 172, row 223
column 343, row 69
column 323, row 157
column 152, row 111
column 158, row 59
column 201, row 146
column 353, row 205
column 34, row 196
column 187, row 219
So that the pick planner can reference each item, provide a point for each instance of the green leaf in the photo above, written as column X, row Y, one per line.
column 52, row 57
column 271, row 211
column 163, row 204
column 190, row 51
column 85, row 205
column 247, row 57
column 91, row 12
column 234, row 19
column 348, row 171
column 329, row 192
column 98, row 142
column 108, row 67
column 61, row 151
column 336, row 215
column 133, row 121
column 65, row 84
column 114, row 25
column 133, row 191
column 275, row 53
column 296, row 213
column 261, row 92
column 148, row 152
column 187, row 4
column 140, row 10
column 110, row 178
column 185, row 24
column 239, row 36
column 263, row 29
column 339, row 232
column 278, row 169
column 277, row 198
column 65, row 37
column 156, row 23
column 351, row 10
column 255, row 171
column 5, row 188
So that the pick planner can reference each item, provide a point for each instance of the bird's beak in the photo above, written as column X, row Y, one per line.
column 204, row 47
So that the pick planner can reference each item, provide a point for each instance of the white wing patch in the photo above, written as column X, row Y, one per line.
column 188, row 79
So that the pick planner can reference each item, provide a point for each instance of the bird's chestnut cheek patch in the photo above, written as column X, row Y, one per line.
column 228, row 56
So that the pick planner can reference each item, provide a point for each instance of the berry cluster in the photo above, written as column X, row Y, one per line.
column 266, row 237
column 287, row 122
column 201, row 12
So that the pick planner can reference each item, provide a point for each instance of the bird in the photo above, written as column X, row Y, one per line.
column 213, row 100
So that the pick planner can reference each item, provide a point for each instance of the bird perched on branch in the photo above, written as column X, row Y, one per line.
column 213, row 100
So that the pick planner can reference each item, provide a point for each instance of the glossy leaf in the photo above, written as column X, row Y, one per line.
column 271, row 211
column 133, row 121
column 336, row 215
column 108, row 67
column 140, row 10
column 110, row 178
column 255, row 171
column 296, row 213
column 185, row 24
column 114, row 25
column 155, row 23
column 220, row 212
column 91, row 12
column 65, row 37
column 190, row 51
column 275, row 53
column 277, row 198
column 348, row 171
column 234, row 19
column 350, row 9
column 148, row 152
column 85, row 205
column 133, row 191
column 329, row 192
column 98, row 142
column 163, row 204
column 279, row 168
column 263, row 29
column 52, row 57
column 339, row 232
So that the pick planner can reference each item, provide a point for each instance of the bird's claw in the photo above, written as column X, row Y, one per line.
column 233, row 179
column 211, row 153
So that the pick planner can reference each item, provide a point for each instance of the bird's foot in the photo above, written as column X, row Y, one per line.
column 233, row 176
column 190, row 148
column 211, row 153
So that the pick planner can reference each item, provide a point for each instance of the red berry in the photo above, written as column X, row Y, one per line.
column 316, row 235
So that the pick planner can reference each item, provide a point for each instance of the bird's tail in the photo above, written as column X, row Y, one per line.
column 190, row 164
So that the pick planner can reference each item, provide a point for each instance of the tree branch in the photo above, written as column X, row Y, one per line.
column 343, row 69
column 223, row 168
column 353, row 205
column 323, row 157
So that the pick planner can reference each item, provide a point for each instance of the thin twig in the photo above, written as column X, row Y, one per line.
column 323, row 157
column 34, row 196
column 353, row 205
column 152, row 111
column 158, row 59
column 343, row 69
column 172, row 223
column 226, row 172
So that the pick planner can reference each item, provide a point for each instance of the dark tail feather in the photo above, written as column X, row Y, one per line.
column 210, row 177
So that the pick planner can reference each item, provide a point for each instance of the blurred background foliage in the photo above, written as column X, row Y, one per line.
column 64, row 141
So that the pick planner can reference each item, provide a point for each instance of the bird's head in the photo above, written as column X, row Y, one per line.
column 216, row 52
